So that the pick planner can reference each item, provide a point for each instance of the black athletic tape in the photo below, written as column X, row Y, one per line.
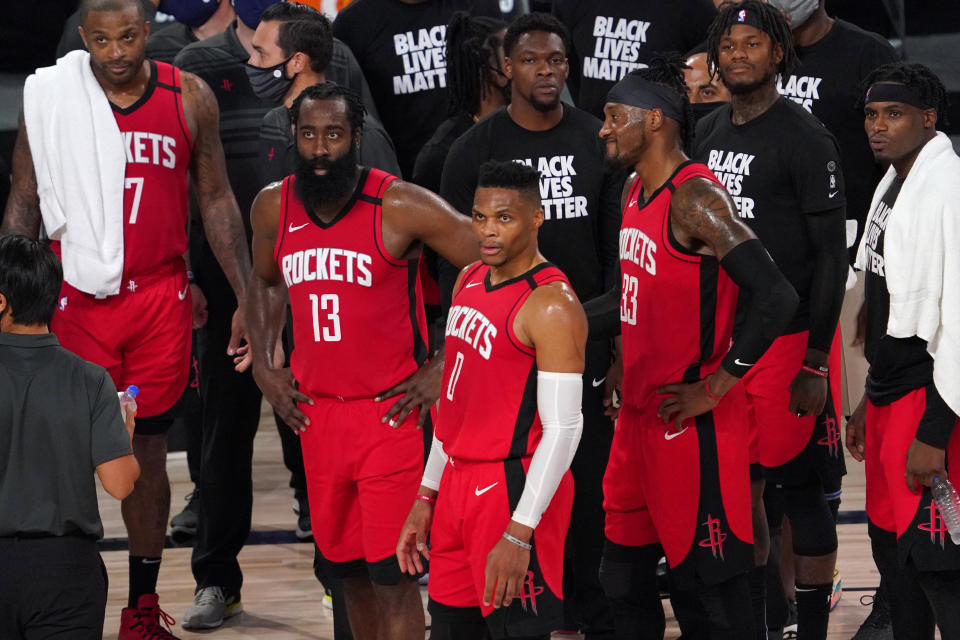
column 638, row 92
column 770, row 304
column 895, row 92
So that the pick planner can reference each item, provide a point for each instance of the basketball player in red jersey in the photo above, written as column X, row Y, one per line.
column 168, row 121
column 496, row 494
column 342, row 242
column 679, row 471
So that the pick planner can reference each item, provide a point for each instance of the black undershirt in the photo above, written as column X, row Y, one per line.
column 898, row 366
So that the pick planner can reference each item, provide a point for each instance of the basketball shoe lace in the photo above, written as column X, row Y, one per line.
column 155, row 624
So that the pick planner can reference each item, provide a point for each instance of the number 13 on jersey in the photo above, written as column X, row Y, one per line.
column 330, row 303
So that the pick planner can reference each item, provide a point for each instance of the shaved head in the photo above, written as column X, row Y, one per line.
column 110, row 5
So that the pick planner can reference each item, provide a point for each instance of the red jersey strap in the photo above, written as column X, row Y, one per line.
column 634, row 190
column 689, row 170
column 544, row 273
column 684, row 172
column 285, row 188
column 375, row 185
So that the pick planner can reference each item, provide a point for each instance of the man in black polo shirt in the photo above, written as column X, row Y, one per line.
column 59, row 422
column 581, row 203
column 231, row 400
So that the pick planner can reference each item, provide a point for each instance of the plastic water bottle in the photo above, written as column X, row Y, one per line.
column 128, row 401
column 948, row 503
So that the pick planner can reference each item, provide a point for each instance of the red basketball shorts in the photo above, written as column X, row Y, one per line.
column 688, row 489
column 362, row 477
column 141, row 336
column 777, row 435
column 472, row 512
column 890, row 430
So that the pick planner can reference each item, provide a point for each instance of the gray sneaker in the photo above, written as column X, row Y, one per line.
column 210, row 608
column 183, row 526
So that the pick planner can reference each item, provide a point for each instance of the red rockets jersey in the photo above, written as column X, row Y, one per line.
column 488, row 401
column 676, row 308
column 158, row 150
column 358, row 320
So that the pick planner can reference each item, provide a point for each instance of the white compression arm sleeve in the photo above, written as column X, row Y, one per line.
column 559, row 396
column 436, row 462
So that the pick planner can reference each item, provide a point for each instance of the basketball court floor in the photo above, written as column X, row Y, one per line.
column 283, row 601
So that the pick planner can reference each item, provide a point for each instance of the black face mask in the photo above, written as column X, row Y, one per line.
column 271, row 83
column 703, row 109
column 316, row 191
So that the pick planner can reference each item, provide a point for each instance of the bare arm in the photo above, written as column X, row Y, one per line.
column 702, row 219
column 22, row 213
column 412, row 215
column 119, row 475
column 222, row 222
column 264, row 310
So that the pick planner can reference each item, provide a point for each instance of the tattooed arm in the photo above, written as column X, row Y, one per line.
column 222, row 222
column 22, row 214
column 702, row 220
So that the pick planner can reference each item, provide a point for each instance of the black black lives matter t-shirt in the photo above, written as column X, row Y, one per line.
column 402, row 51
column 897, row 365
column 613, row 37
column 779, row 167
column 580, row 197
column 827, row 83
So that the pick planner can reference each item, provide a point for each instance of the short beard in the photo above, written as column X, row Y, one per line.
column 544, row 107
column 748, row 88
column 317, row 191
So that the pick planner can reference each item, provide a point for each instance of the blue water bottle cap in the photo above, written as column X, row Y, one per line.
column 133, row 390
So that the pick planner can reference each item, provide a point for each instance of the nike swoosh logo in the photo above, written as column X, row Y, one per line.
column 292, row 228
column 478, row 491
column 670, row 436
column 632, row 203
column 742, row 363
column 472, row 284
column 597, row 383
column 834, row 193
column 183, row 294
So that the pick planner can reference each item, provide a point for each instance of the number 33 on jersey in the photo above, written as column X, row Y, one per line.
column 347, row 293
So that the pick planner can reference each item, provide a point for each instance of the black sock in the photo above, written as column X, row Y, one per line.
column 143, row 578
column 813, row 610
column 757, row 580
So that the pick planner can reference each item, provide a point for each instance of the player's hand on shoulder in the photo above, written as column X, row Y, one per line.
column 420, row 389
column 280, row 391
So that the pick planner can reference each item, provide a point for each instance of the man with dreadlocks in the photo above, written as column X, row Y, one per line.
column 684, row 256
column 783, row 169
column 476, row 87
column 909, row 253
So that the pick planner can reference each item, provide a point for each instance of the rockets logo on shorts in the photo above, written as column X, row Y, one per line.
column 528, row 594
column 715, row 537
column 935, row 526
column 832, row 440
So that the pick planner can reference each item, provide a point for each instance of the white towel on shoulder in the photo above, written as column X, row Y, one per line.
column 921, row 256
column 80, row 162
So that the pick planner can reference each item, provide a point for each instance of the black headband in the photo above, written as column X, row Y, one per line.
column 637, row 92
column 750, row 19
column 894, row 92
